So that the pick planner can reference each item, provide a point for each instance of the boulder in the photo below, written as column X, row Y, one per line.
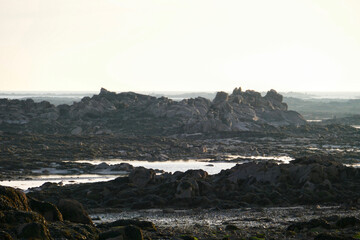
column 34, row 230
column 144, row 225
column 50, row 212
column 73, row 211
column 13, row 199
column 141, row 176
column 123, row 232
column 221, row 97
column 5, row 236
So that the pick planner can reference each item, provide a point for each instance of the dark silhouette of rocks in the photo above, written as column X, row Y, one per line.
column 307, row 180
column 23, row 217
column 128, row 112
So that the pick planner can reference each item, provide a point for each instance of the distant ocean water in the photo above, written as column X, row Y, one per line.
column 68, row 97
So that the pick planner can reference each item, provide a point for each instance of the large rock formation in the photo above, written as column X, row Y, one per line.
column 129, row 112
column 307, row 180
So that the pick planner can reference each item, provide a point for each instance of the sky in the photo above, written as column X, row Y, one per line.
column 179, row 45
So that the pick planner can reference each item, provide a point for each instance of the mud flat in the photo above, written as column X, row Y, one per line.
column 299, row 222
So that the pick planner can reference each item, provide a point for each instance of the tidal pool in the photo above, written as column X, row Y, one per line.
column 63, row 177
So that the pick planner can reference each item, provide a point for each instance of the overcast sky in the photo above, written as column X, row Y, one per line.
column 183, row 45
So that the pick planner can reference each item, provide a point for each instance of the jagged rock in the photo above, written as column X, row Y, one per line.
column 221, row 97
column 112, row 113
column 236, row 91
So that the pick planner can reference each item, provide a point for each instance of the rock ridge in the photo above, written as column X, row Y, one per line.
column 129, row 112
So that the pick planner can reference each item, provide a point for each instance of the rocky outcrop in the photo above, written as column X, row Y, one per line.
column 312, row 180
column 128, row 112
column 11, row 199
column 23, row 217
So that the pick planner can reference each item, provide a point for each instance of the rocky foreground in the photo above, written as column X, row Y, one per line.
column 59, row 212
column 128, row 112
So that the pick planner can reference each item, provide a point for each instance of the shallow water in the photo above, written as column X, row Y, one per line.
column 170, row 166
column 37, row 181
column 182, row 165
column 62, row 176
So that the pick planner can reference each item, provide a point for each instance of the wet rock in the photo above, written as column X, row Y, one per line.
column 347, row 222
column 231, row 227
column 144, row 225
column 188, row 238
column 313, row 223
column 73, row 211
column 326, row 236
column 123, row 232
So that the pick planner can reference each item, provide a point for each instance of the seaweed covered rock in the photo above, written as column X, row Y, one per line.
column 11, row 198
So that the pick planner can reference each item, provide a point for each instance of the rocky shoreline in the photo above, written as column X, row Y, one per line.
column 314, row 196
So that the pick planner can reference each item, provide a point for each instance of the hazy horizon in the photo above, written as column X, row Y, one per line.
column 80, row 94
column 187, row 46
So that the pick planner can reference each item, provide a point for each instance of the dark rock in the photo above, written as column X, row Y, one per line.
column 326, row 236
column 34, row 231
column 74, row 211
column 144, row 225
column 347, row 222
column 313, row 223
column 188, row 238
column 231, row 227
column 48, row 210
column 11, row 199
column 123, row 232
column 5, row 236
column 68, row 230
column 112, row 113
column 221, row 97
column 141, row 176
